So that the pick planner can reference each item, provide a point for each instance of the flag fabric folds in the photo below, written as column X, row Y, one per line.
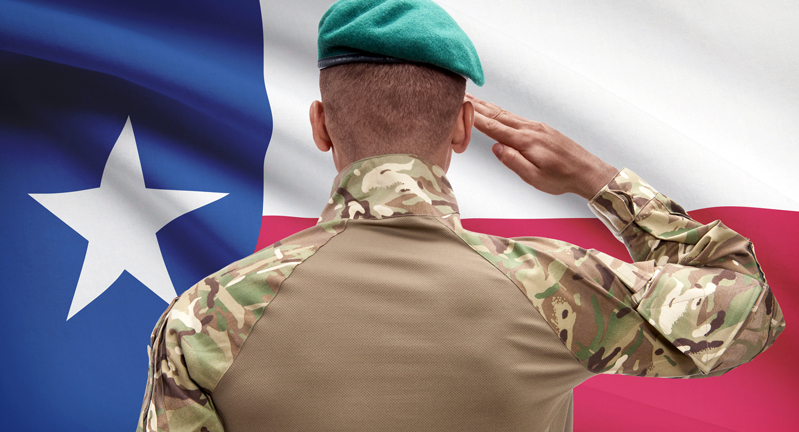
column 134, row 162
column 133, row 137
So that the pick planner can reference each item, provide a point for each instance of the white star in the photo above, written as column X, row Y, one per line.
column 120, row 219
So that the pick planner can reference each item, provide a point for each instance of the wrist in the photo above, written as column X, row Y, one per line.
column 596, row 179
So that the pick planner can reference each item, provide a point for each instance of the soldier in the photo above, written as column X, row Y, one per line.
column 389, row 315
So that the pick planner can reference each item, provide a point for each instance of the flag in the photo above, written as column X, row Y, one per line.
column 133, row 137
column 148, row 144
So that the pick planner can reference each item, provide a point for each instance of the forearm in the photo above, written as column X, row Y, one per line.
column 707, row 294
column 653, row 227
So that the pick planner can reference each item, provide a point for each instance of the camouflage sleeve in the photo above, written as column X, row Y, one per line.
column 705, row 293
column 172, row 400
column 694, row 303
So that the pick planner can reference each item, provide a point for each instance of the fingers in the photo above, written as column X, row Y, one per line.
column 511, row 158
column 496, row 129
column 502, row 125
column 493, row 111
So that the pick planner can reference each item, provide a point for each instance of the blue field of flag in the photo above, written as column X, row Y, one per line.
column 133, row 137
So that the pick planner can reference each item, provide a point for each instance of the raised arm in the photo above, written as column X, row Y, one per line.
column 695, row 300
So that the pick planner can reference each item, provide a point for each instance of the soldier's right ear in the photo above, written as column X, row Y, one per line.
column 319, row 127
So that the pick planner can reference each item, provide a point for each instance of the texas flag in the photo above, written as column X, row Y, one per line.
column 148, row 144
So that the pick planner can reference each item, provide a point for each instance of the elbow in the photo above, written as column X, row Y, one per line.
column 757, row 334
column 776, row 324
column 761, row 328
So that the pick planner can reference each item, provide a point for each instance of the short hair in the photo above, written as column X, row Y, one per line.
column 374, row 109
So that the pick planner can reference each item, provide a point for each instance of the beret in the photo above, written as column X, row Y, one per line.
column 396, row 31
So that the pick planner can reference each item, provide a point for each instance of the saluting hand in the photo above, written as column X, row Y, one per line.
column 540, row 155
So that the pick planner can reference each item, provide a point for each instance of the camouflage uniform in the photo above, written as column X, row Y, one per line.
column 693, row 303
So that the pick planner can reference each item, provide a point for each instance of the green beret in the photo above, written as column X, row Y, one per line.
column 396, row 31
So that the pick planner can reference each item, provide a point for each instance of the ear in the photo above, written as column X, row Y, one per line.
column 463, row 128
column 319, row 127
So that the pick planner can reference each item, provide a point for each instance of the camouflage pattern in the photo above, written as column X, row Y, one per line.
column 718, row 330
column 390, row 186
column 694, row 302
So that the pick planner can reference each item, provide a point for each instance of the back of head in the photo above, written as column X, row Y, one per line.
column 374, row 108
column 393, row 75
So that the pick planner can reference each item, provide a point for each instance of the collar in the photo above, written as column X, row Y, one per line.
column 389, row 186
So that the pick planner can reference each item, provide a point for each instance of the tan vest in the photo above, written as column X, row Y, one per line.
column 397, row 325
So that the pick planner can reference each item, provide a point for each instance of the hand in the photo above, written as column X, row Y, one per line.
column 540, row 155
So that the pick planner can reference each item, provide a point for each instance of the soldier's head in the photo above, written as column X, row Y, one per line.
column 393, row 78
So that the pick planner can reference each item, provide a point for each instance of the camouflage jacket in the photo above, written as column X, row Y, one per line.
column 693, row 303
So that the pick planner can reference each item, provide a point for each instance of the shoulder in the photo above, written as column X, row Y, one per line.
column 535, row 264
column 585, row 296
column 213, row 318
